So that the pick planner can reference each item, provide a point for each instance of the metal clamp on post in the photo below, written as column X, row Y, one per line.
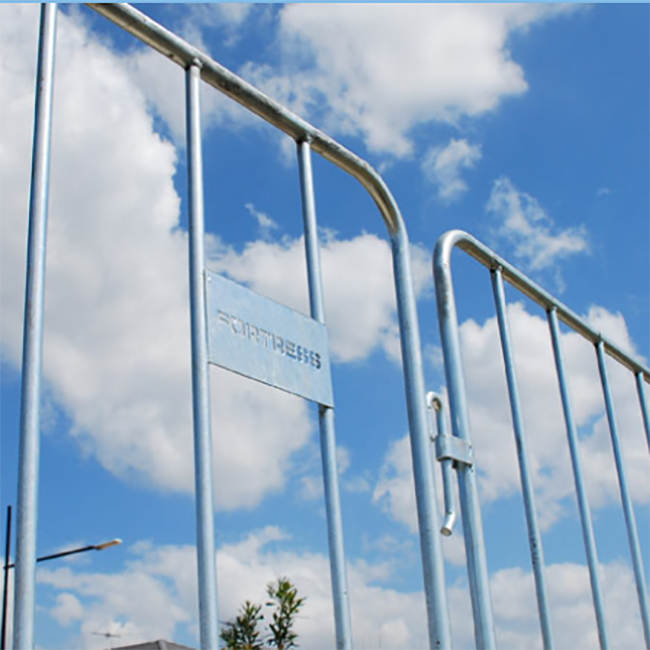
column 454, row 448
column 449, row 450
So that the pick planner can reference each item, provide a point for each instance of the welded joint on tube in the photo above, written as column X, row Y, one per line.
column 454, row 448
column 551, row 313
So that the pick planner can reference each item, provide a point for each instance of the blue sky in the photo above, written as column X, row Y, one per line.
column 526, row 125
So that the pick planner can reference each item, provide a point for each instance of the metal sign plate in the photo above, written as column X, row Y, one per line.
column 264, row 340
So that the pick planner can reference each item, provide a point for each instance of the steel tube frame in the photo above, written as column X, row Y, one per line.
column 25, row 575
column 628, row 509
column 214, row 74
column 534, row 536
column 425, row 487
column 340, row 592
column 488, row 258
column 207, row 575
column 477, row 569
column 557, row 311
column 229, row 84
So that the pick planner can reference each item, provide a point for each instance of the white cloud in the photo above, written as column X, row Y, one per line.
column 229, row 14
column 442, row 166
column 359, row 299
column 311, row 488
column 572, row 612
column 117, row 316
column 265, row 223
column 395, row 493
column 378, row 70
column 127, row 604
column 163, row 580
column 223, row 21
column 68, row 609
column 413, row 64
column 117, row 356
column 492, row 435
column 542, row 415
column 522, row 223
column 163, row 84
column 312, row 482
column 395, row 488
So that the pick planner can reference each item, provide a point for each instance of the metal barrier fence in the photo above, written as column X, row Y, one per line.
column 201, row 68
column 457, row 449
column 454, row 451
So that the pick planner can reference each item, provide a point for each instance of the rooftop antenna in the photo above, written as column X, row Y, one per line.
column 110, row 636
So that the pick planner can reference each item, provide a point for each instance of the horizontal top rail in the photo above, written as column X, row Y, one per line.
column 228, row 83
column 490, row 259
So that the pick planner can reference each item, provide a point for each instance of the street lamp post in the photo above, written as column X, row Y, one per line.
column 53, row 556
column 92, row 547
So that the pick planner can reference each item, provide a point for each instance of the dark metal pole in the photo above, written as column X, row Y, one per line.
column 55, row 555
column 6, row 580
column 83, row 549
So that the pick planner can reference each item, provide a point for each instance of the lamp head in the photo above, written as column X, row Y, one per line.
column 113, row 542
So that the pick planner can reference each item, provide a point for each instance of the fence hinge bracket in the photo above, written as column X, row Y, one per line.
column 454, row 448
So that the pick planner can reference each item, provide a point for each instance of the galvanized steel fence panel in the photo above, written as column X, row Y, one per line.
column 478, row 574
column 201, row 68
column 453, row 451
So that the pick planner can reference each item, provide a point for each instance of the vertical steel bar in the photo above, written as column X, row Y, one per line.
column 470, row 506
column 628, row 510
column 208, row 618
column 25, row 576
column 644, row 407
column 534, row 537
column 425, row 488
column 340, row 593
column 583, row 504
